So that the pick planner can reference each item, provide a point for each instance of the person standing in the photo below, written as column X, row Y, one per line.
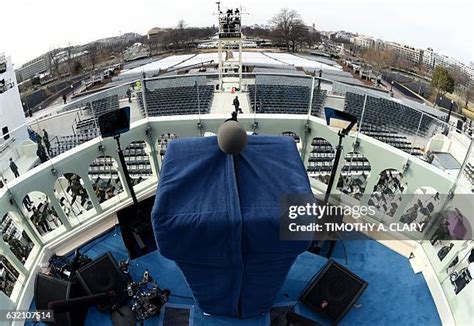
column 236, row 104
column 45, row 135
column 38, row 138
column 14, row 168
column 27, row 203
column 41, row 152
column 64, row 98
column 129, row 95
column 46, row 141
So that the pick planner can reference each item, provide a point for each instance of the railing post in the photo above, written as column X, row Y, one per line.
column 153, row 155
column 143, row 90
column 91, row 193
column 307, row 129
column 24, row 221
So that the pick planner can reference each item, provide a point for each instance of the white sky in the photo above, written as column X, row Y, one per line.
column 32, row 27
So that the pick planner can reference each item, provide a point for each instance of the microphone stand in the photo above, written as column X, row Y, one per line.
column 128, row 179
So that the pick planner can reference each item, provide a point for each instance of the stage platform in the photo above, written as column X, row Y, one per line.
column 395, row 295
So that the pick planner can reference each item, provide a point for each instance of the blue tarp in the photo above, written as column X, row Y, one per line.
column 217, row 217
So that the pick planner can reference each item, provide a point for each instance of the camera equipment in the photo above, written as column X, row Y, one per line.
column 147, row 297
column 63, row 268
column 113, row 124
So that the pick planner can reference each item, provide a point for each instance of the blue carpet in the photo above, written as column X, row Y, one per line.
column 395, row 295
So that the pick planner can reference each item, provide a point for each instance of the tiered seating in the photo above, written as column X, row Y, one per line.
column 86, row 125
column 286, row 99
column 389, row 114
column 320, row 160
column 355, row 163
column 103, row 105
column 469, row 172
column 389, row 121
column 177, row 100
column 103, row 167
column 65, row 143
column 391, row 138
column 136, row 159
column 164, row 140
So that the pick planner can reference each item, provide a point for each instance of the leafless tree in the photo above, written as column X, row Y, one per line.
column 288, row 28
column 461, row 79
column 69, row 57
column 379, row 59
column 312, row 37
column 93, row 50
column 468, row 96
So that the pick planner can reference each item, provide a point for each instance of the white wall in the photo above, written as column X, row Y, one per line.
column 11, row 110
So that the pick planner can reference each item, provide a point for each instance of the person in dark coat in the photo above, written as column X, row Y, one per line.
column 236, row 104
column 46, row 140
column 41, row 152
column 14, row 168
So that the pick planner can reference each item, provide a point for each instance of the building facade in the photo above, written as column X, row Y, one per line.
column 364, row 42
column 406, row 52
column 31, row 68
column 12, row 118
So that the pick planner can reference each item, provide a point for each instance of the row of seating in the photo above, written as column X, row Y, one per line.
column 285, row 99
column 392, row 138
column 391, row 115
column 65, row 143
column 181, row 100
column 102, row 106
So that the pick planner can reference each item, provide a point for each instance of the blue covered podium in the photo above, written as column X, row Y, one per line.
column 217, row 217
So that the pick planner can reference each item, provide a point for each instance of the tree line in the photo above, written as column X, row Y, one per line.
column 287, row 29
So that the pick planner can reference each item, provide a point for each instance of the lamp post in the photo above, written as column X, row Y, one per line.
column 391, row 86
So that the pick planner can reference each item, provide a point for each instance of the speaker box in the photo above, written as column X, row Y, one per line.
column 104, row 275
column 48, row 289
column 333, row 291
column 136, row 228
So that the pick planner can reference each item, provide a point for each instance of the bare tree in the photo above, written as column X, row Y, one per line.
column 312, row 37
column 461, row 79
column 379, row 59
column 93, row 50
column 288, row 28
column 468, row 96
column 69, row 57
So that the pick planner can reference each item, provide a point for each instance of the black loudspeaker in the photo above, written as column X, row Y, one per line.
column 104, row 275
column 49, row 289
column 333, row 291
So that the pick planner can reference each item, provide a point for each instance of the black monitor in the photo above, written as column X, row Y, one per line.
column 114, row 123
column 340, row 119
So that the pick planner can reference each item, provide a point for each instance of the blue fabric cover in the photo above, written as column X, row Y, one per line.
column 217, row 217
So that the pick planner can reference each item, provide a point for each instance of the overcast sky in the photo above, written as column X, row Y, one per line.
column 32, row 27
